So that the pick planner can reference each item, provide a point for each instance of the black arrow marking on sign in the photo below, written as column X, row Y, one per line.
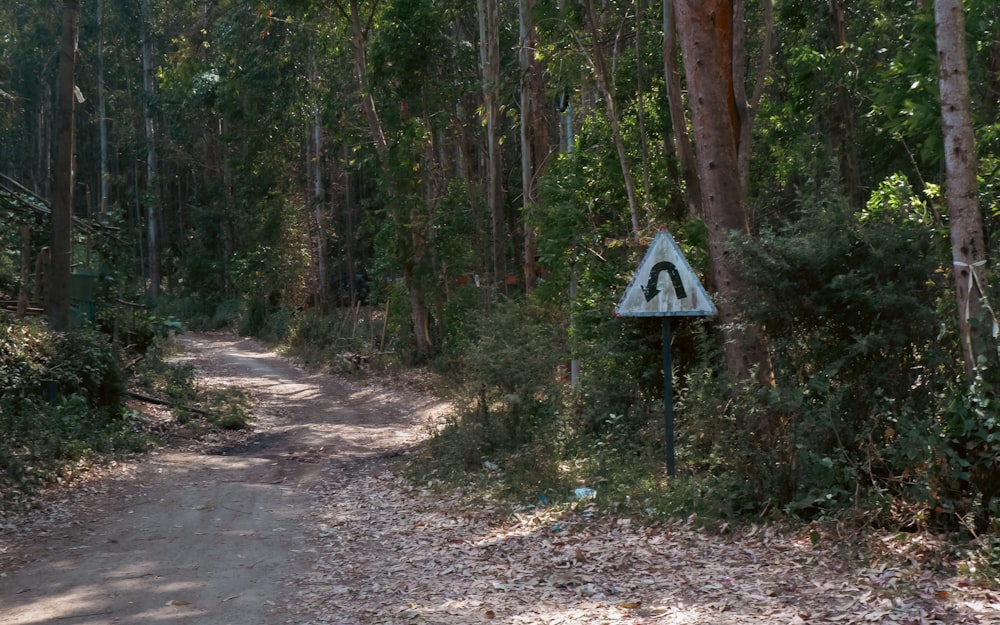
column 651, row 289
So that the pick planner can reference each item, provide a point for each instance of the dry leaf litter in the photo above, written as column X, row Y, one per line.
column 387, row 552
column 390, row 553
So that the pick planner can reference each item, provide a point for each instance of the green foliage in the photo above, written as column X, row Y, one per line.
column 509, row 371
column 966, row 471
column 347, row 340
column 61, row 399
column 851, row 307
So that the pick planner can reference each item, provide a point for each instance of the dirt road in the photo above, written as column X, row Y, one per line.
column 306, row 523
column 207, row 536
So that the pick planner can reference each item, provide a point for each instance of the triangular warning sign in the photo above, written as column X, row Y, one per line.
column 664, row 285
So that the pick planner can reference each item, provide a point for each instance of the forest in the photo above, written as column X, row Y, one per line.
column 467, row 189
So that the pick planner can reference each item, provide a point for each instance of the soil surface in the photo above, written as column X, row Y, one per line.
column 306, row 521
column 205, row 532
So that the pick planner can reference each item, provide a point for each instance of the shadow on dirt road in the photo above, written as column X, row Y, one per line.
column 206, row 536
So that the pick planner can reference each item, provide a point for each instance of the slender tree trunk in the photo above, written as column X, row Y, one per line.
column 747, row 106
column 489, row 59
column 968, row 250
column 600, row 71
column 315, row 168
column 22, row 293
column 842, row 128
column 718, row 115
column 526, row 62
column 647, row 193
column 102, row 206
column 680, row 140
column 42, row 184
column 152, row 198
column 59, row 297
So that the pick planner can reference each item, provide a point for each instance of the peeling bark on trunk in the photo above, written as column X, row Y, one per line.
column 968, row 249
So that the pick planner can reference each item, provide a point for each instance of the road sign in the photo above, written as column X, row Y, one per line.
column 665, row 285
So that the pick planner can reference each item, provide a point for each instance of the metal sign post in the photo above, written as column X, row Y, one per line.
column 681, row 295
column 668, row 393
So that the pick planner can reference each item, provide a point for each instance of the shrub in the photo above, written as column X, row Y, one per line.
column 850, row 303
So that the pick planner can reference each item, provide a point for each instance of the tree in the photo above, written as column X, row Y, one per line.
column 535, row 144
column 152, row 199
column 59, row 298
column 607, row 90
column 968, row 249
column 489, row 60
column 711, row 42
column 679, row 139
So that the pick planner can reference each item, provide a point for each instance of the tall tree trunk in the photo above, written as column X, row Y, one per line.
column 318, row 206
column 968, row 249
column 647, row 192
column 535, row 143
column 314, row 154
column 679, row 139
column 526, row 61
column 102, row 206
column 489, row 59
column 719, row 116
column 151, row 199
column 59, row 297
column 842, row 128
column 600, row 71
column 747, row 106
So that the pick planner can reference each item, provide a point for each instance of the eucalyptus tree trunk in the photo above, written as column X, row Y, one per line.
column 353, row 14
column 59, row 297
column 489, row 59
column 711, row 46
column 528, row 192
column 314, row 166
column 647, row 192
column 679, row 139
column 102, row 205
column 607, row 91
column 968, row 249
column 535, row 144
column 151, row 199
column 316, row 174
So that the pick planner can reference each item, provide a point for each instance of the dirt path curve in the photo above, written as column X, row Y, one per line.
column 309, row 524
column 208, row 536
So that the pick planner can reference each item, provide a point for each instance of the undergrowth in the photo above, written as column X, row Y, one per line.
column 64, row 404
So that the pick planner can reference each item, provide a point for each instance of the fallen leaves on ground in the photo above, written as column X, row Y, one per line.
column 389, row 553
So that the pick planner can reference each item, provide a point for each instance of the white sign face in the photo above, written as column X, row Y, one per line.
column 665, row 285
